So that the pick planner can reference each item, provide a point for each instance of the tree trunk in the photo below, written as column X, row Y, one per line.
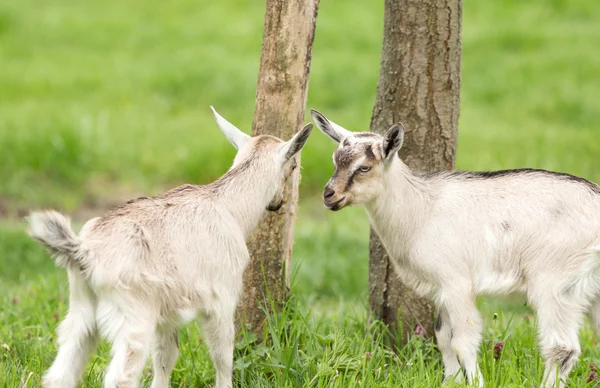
column 280, row 102
column 419, row 85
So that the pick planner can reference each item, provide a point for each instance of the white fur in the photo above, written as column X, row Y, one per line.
column 451, row 238
column 144, row 269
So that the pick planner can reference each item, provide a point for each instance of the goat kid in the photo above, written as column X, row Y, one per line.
column 454, row 235
column 143, row 269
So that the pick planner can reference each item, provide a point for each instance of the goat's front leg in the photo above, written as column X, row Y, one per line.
column 220, row 335
column 165, row 350
column 443, row 334
column 76, row 336
column 466, row 327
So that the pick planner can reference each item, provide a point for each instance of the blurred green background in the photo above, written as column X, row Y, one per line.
column 101, row 101
column 102, row 98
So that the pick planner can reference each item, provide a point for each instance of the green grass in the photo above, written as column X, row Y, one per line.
column 323, row 337
column 102, row 100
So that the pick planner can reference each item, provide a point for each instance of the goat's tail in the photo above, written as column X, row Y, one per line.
column 53, row 230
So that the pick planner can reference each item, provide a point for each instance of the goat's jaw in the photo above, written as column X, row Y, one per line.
column 337, row 205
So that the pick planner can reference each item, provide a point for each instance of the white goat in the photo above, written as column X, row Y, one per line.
column 145, row 268
column 454, row 235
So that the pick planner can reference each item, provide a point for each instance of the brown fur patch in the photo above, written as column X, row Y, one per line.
column 366, row 135
column 262, row 140
column 137, row 199
column 369, row 152
column 346, row 156
column 130, row 356
column 142, row 237
column 562, row 356
column 438, row 323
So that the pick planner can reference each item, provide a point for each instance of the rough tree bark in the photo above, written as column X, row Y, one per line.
column 419, row 84
column 280, row 102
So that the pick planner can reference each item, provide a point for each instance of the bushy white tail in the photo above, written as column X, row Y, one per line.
column 53, row 230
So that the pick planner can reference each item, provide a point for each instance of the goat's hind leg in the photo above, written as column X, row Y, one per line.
column 559, row 320
column 130, row 348
column 220, row 335
column 77, row 335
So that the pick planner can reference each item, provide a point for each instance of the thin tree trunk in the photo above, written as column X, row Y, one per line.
column 419, row 85
column 280, row 102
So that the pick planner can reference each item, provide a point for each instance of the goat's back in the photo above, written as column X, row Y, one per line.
column 185, row 235
column 517, row 224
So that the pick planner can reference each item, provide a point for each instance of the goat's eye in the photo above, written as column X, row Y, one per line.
column 364, row 168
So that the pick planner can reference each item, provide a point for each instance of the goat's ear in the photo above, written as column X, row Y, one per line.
column 234, row 135
column 392, row 141
column 331, row 129
column 295, row 144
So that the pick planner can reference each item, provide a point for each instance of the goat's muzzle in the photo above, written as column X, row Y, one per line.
column 332, row 201
column 328, row 192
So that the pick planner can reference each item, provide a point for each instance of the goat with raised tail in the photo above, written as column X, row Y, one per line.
column 143, row 269
column 454, row 235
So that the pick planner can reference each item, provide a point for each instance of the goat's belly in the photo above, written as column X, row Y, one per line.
column 179, row 317
column 186, row 316
column 498, row 283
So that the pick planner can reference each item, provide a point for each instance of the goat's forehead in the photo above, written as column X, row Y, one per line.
column 360, row 140
column 356, row 147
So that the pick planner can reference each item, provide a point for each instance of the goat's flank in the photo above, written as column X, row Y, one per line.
column 145, row 268
column 454, row 235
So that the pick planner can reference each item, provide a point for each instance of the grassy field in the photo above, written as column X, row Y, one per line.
column 323, row 338
column 100, row 101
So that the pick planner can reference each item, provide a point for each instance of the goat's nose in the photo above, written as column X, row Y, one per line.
column 328, row 193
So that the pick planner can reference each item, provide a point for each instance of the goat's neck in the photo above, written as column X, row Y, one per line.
column 396, row 213
column 246, row 192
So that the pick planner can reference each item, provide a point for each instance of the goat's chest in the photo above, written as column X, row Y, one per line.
column 414, row 272
column 415, row 277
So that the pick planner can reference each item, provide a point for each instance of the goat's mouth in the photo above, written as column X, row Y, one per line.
column 275, row 207
column 335, row 206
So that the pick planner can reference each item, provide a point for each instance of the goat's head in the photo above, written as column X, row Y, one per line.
column 360, row 162
column 279, row 157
